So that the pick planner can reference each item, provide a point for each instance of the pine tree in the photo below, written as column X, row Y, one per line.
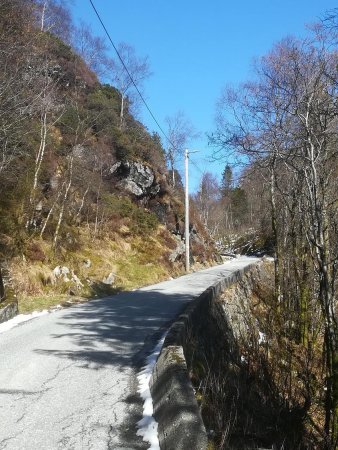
column 227, row 181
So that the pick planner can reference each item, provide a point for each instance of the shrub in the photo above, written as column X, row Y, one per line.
column 35, row 253
column 141, row 220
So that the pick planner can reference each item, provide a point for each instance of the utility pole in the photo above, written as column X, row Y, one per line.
column 187, row 231
column 187, row 226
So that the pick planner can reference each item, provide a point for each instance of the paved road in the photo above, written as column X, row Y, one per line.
column 67, row 380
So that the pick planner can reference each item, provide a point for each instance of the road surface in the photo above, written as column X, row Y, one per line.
column 68, row 379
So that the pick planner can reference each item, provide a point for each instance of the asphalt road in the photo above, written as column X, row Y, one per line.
column 67, row 379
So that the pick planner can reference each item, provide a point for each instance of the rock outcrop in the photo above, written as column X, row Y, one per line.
column 135, row 178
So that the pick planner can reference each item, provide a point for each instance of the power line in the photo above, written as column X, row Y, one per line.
column 131, row 78
column 196, row 166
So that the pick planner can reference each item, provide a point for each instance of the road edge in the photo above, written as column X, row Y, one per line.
column 180, row 424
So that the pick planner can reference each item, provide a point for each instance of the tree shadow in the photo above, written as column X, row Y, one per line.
column 115, row 332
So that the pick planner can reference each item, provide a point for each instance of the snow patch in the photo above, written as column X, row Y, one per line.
column 20, row 318
column 55, row 308
column 148, row 425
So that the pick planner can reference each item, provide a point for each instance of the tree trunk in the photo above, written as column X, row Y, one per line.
column 62, row 209
column 275, row 232
column 97, row 211
column 50, row 212
column 172, row 166
column 38, row 162
column 2, row 288
column 43, row 14
column 321, row 243
column 82, row 205
column 122, row 111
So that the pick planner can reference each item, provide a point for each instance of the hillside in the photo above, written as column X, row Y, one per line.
column 88, row 206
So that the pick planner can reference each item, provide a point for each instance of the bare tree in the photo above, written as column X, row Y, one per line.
column 91, row 48
column 207, row 202
column 286, row 122
column 54, row 16
column 46, row 107
column 138, row 72
column 180, row 132
column 16, row 40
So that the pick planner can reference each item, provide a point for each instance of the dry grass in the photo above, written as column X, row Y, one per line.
column 39, row 303
column 135, row 261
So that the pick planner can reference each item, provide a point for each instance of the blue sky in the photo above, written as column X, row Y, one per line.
column 197, row 47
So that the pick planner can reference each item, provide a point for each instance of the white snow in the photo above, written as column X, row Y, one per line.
column 20, row 318
column 55, row 308
column 148, row 425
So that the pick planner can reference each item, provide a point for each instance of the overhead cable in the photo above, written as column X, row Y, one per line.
column 129, row 74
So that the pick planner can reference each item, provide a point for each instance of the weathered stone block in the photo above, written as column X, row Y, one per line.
column 8, row 311
column 175, row 406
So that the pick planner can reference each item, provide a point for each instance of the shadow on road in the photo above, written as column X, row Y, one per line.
column 118, row 331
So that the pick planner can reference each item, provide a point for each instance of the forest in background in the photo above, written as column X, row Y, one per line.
column 282, row 125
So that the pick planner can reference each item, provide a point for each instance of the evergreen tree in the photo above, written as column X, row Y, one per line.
column 227, row 181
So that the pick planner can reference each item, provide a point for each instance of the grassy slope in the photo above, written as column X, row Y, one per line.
column 135, row 260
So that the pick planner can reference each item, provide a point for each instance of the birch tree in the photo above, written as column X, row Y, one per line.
column 91, row 48
column 207, row 202
column 287, row 122
column 179, row 131
column 138, row 72
column 53, row 16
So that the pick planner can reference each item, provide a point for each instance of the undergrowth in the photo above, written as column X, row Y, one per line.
column 133, row 259
column 263, row 390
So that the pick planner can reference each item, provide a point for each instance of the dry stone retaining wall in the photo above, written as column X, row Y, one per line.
column 180, row 425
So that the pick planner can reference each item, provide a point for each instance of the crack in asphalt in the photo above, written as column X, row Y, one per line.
column 53, row 377
column 10, row 438
column 82, row 364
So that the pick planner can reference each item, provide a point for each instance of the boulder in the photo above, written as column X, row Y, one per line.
column 109, row 279
column 87, row 263
column 8, row 300
column 179, row 251
column 75, row 279
column 135, row 178
column 63, row 272
column 67, row 275
column 131, row 187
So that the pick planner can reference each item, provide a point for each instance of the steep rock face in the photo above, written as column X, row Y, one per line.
column 135, row 178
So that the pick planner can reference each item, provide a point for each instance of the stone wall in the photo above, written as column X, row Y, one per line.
column 206, row 326
column 8, row 310
column 8, row 300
